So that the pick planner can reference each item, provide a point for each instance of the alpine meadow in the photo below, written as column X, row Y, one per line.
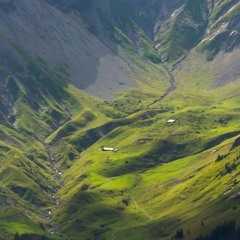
column 119, row 119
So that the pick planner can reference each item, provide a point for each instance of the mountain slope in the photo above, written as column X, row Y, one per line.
column 79, row 75
column 136, row 192
column 64, row 46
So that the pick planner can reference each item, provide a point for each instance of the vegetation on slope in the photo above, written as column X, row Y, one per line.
column 185, row 31
column 164, row 180
column 223, row 29
column 138, row 192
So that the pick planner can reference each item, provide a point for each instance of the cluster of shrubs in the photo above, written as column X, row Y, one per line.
column 225, row 231
column 27, row 236
column 179, row 234
column 220, row 157
column 230, row 166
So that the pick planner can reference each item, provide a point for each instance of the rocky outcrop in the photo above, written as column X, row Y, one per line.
column 223, row 29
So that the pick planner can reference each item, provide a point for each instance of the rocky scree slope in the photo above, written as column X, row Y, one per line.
column 64, row 45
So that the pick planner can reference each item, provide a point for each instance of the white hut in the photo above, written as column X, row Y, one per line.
column 171, row 120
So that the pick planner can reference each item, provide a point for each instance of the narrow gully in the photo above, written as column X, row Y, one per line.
column 54, row 228
column 47, row 214
column 171, row 88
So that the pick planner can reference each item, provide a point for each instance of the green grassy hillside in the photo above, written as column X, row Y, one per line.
column 164, row 176
column 56, row 182
column 46, row 123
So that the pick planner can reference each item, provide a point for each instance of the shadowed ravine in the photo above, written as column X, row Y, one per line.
column 53, row 227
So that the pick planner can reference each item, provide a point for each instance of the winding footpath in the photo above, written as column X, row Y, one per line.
column 149, row 217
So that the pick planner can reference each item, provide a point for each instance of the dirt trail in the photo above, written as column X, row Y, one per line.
column 137, row 183
column 141, row 209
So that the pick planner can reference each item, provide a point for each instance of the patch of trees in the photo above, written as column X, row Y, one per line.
column 235, row 144
column 28, row 236
column 179, row 234
column 229, row 167
column 126, row 201
column 220, row 157
column 224, row 231
column 72, row 155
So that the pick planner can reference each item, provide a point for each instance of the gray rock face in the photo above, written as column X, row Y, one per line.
column 62, row 41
